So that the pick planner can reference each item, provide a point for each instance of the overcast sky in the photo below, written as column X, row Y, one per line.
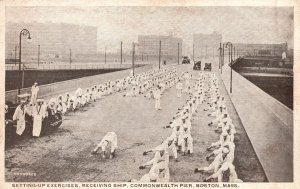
column 236, row 24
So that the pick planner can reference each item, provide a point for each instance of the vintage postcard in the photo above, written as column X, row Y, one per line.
column 149, row 94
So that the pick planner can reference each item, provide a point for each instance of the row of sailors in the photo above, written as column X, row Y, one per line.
column 151, row 83
column 186, row 77
column 38, row 110
column 155, row 88
column 223, row 149
column 180, row 140
column 163, row 85
column 188, row 89
column 156, row 94
column 68, row 102
column 181, row 123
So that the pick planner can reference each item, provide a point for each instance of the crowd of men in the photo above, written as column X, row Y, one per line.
column 152, row 84
column 154, row 87
column 39, row 109
column 180, row 140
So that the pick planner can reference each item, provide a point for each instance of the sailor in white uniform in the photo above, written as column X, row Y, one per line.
column 109, row 139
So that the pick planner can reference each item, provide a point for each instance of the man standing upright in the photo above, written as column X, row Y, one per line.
column 157, row 96
column 34, row 92
column 179, row 88
column 19, row 116
column 38, row 114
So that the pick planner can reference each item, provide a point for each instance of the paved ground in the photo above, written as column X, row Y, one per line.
column 64, row 155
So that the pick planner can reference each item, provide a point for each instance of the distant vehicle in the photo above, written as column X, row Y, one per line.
column 186, row 60
column 207, row 67
column 197, row 66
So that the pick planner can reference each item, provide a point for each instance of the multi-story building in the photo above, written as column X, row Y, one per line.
column 148, row 47
column 55, row 41
column 246, row 49
column 206, row 45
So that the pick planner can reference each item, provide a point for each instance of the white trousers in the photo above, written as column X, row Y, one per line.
column 178, row 93
column 187, row 144
column 20, row 127
column 157, row 104
column 37, row 125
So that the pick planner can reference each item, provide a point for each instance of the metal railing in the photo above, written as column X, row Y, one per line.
column 71, row 66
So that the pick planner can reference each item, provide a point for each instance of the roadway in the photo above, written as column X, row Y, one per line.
column 64, row 155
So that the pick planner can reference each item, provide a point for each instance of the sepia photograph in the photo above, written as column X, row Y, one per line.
column 141, row 94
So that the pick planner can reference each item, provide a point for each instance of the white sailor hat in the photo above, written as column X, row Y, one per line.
column 225, row 150
column 23, row 95
column 40, row 100
column 23, row 101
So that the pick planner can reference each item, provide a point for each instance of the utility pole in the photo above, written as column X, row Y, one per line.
column 178, row 52
column 231, row 71
column 39, row 55
column 70, row 56
column 194, row 53
column 223, row 57
column 159, row 54
column 229, row 55
column 105, row 55
column 220, row 57
column 205, row 51
column 15, row 54
column 121, row 52
column 234, row 55
column 133, row 54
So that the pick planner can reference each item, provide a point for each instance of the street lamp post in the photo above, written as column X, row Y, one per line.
column 229, row 46
column 23, row 32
